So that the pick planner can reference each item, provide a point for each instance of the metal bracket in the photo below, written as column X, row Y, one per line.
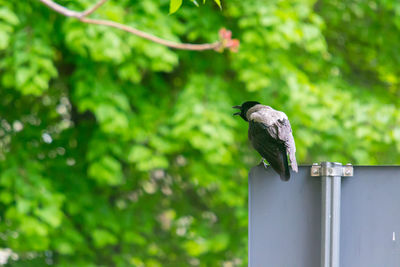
column 336, row 170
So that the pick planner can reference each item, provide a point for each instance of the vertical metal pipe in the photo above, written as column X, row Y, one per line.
column 335, row 221
column 325, row 221
column 330, row 222
column 331, row 174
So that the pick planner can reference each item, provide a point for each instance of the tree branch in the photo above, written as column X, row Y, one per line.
column 224, row 42
column 150, row 37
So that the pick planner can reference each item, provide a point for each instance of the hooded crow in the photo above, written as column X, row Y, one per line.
column 271, row 135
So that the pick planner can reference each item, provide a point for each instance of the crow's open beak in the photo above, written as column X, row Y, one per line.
column 237, row 107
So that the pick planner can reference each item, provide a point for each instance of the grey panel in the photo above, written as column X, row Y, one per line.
column 285, row 223
column 284, row 227
column 370, row 215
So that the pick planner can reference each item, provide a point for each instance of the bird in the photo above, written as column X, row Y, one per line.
column 271, row 135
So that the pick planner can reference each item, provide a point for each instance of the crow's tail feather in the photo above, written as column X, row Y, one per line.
column 285, row 176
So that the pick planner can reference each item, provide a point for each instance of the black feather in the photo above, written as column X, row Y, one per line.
column 263, row 139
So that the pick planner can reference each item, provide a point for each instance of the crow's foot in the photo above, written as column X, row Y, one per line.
column 265, row 164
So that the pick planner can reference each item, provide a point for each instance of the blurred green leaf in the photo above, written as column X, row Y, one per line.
column 174, row 5
column 106, row 170
column 102, row 238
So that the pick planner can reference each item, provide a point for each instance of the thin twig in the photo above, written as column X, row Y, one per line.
column 82, row 17
column 60, row 9
column 93, row 8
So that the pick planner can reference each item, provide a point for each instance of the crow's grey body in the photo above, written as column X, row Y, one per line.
column 271, row 135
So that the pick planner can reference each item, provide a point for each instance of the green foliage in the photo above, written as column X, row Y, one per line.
column 115, row 151
column 174, row 5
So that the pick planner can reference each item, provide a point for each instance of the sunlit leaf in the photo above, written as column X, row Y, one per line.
column 174, row 5
column 218, row 2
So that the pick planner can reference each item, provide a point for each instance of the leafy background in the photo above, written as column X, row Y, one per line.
column 115, row 151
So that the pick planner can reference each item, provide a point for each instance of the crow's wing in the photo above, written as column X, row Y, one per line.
column 285, row 134
column 282, row 131
column 264, row 140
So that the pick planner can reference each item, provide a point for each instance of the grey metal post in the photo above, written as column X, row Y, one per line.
column 331, row 173
column 325, row 221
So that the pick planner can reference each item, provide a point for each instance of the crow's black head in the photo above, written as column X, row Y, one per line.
column 244, row 108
